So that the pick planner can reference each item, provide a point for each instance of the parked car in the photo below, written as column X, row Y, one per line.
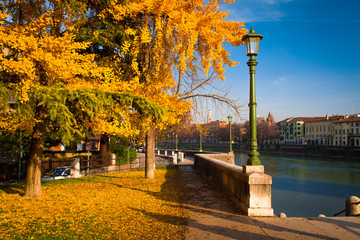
column 57, row 173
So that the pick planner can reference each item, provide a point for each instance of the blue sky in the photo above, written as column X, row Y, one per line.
column 309, row 59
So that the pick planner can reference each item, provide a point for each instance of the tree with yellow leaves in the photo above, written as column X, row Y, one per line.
column 169, row 39
column 58, row 85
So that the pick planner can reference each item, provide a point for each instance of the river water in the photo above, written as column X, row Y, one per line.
column 307, row 187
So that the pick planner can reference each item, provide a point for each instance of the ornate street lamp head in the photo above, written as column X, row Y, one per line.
column 252, row 42
column 230, row 118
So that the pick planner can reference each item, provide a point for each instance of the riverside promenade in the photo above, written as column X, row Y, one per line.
column 211, row 216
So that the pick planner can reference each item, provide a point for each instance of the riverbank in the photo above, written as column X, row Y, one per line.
column 299, row 154
column 335, row 152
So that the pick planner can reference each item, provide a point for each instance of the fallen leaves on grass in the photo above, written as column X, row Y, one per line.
column 114, row 206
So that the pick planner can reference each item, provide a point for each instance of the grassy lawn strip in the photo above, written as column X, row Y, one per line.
column 121, row 205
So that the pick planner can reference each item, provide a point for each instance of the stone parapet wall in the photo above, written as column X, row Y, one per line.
column 250, row 191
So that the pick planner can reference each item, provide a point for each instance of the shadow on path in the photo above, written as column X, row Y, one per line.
column 211, row 216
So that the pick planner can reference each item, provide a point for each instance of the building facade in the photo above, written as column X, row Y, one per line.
column 292, row 131
column 320, row 130
column 347, row 131
column 326, row 131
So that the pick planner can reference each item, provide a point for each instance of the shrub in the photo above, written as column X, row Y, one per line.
column 123, row 149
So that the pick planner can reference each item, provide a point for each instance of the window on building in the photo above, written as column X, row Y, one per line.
column 357, row 131
column 335, row 131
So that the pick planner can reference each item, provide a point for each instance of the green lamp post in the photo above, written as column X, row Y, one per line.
column 252, row 42
column 230, row 120
column 176, row 142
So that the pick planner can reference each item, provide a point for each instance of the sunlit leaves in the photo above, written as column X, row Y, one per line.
column 114, row 206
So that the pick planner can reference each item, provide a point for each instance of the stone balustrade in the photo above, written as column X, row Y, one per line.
column 248, row 187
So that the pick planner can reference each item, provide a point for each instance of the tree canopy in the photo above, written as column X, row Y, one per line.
column 57, row 83
column 110, row 65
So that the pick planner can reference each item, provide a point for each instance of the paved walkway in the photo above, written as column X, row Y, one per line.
column 211, row 216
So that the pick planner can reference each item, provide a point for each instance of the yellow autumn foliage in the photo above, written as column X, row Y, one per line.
column 162, row 39
column 36, row 57
column 171, row 37
column 114, row 206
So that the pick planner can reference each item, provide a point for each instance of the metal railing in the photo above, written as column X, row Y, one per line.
column 8, row 172
column 104, row 166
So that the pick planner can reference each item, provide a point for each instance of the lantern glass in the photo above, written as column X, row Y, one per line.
column 252, row 42
column 230, row 118
column 252, row 45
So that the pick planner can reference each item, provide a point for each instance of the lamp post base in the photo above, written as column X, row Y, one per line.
column 253, row 169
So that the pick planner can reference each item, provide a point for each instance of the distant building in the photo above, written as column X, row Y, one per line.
column 336, row 130
column 213, row 128
column 320, row 130
column 270, row 120
column 266, row 129
column 347, row 131
column 292, row 130
column 209, row 117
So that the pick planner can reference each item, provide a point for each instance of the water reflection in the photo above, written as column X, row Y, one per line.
column 306, row 187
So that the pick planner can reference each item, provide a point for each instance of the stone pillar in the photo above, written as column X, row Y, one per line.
column 180, row 156
column 258, row 200
column 113, row 159
column 174, row 157
column 75, row 168
column 352, row 206
column 165, row 152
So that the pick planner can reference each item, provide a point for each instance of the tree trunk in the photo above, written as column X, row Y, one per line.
column 33, row 174
column 150, row 154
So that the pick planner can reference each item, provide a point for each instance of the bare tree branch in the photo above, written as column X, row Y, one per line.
column 230, row 102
